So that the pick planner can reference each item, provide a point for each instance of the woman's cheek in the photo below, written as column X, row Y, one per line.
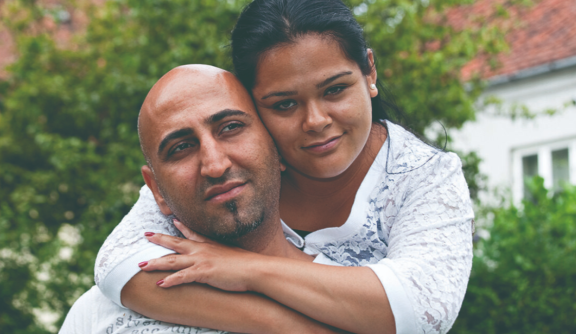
column 282, row 131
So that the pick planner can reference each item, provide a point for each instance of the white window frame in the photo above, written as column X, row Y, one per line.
column 544, row 153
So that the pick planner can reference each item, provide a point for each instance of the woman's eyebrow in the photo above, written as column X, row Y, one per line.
column 332, row 78
column 293, row 92
column 320, row 85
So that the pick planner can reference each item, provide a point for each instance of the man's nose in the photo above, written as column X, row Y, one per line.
column 316, row 118
column 215, row 162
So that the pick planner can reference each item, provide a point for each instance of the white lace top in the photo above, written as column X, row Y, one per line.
column 411, row 223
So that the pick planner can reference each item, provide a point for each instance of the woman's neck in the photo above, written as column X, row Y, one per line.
column 329, row 187
column 310, row 204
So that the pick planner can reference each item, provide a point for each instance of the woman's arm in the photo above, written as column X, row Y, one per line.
column 425, row 273
column 120, row 279
column 350, row 298
column 200, row 305
column 426, row 270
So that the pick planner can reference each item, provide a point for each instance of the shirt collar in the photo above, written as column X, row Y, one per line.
column 405, row 151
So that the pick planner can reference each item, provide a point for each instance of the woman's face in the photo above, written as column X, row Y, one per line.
column 316, row 104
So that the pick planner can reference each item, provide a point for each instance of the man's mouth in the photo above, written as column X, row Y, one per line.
column 224, row 192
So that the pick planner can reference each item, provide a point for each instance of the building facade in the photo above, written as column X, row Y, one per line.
column 538, row 73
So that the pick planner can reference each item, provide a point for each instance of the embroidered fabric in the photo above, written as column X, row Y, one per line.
column 420, row 218
column 418, row 224
column 128, row 237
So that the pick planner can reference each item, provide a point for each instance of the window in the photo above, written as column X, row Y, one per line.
column 529, row 169
column 560, row 168
column 554, row 162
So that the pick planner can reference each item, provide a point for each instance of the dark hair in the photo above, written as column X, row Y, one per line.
column 265, row 24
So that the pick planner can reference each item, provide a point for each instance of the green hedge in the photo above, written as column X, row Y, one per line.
column 524, row 274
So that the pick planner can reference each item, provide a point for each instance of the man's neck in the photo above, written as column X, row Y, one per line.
column 269, row 239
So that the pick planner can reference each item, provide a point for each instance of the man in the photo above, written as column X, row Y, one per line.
column 212, row 164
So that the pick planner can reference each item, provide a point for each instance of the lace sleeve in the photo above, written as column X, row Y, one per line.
column 126, row 244
column 430, row 243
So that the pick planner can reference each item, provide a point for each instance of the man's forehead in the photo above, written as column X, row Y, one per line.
column 190, row 86
column 190, row 93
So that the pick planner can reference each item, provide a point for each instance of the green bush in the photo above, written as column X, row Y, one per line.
column 524, row 275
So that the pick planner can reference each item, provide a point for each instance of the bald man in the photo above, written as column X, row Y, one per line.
column 212, row 164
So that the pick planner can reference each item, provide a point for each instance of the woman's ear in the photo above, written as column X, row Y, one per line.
column 150, row 180
column 372, row 78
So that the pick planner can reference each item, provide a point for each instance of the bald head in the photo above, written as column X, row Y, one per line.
column 215, row 165
column 184, row 89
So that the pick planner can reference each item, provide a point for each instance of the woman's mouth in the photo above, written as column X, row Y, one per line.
column 323, row 146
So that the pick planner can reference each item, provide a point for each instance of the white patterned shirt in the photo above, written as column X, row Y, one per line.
column 411, row 223
column 93, row 313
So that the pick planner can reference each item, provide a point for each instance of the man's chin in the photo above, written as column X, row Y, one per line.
column 241, row 228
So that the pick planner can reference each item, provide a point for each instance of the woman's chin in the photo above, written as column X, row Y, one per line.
column 324, row 171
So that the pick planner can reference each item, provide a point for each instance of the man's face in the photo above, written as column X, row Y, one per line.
column 215, row 165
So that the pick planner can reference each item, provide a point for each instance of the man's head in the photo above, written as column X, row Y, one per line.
column 211, row 161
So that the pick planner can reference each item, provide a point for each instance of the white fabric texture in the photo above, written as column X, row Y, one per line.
column 411, row 223
column 93, row 313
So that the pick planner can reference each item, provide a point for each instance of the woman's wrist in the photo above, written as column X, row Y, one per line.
column 259, row 270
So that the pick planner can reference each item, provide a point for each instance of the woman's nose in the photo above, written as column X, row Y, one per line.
column 316, row 119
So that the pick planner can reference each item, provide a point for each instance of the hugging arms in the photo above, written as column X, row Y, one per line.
column 394, row 212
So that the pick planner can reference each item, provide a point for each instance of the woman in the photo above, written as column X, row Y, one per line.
column 393, row 210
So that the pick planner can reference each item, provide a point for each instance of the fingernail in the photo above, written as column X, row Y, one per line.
column 160, row 282
column 142, row 264
column 149, row 234
column 176, row 220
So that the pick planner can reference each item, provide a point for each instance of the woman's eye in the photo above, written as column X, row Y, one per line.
column 231, row 126
column 285, row 105
column 334, row 90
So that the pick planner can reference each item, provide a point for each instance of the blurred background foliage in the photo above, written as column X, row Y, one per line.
column 524, row 275
column 70, row 158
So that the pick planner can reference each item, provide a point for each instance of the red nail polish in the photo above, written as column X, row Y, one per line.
column 149, row 234
column 142, row 264
column 160, row 282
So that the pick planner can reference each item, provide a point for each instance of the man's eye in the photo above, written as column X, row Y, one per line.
column 334, row 90
column 284, row 105
column 182, row 147
column 231, row 126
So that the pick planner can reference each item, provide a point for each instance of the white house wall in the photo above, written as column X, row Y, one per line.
column 498, row 139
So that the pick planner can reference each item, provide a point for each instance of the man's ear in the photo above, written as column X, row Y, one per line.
column 151, row 183
column 373, row 76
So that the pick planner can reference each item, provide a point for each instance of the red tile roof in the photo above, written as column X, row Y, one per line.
column 543, row 33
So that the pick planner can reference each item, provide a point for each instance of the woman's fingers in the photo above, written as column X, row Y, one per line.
column 179, row 245
column 170, row 262
column 188, row 233
column 180, row 277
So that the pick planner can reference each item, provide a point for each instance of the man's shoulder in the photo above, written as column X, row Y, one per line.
column 80, row 318
column 128, row 239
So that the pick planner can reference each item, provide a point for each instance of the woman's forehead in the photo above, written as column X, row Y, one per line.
column 312, row 57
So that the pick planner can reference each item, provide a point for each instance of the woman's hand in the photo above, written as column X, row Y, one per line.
column 201, row 260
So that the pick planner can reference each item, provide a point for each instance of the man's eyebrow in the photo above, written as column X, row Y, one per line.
column 174, row 135
column 332, row 78
column 223, row 114
column 293, row 92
